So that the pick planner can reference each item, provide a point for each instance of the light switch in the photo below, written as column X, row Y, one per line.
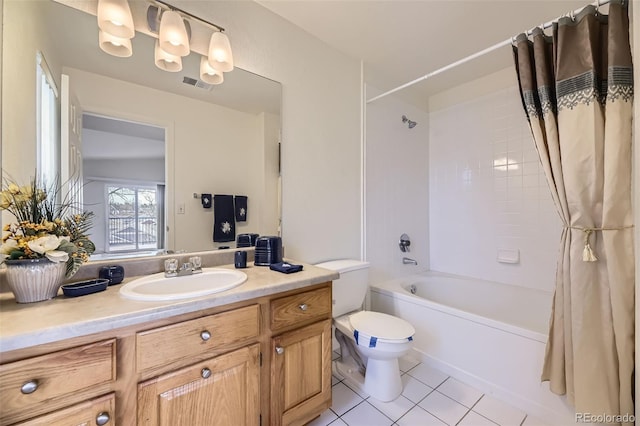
column 181, row 208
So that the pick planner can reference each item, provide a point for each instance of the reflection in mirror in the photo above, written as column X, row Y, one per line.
column 123, row 167
column 219, row 139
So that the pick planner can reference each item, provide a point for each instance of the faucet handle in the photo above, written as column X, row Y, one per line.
column 171, row 267
column 404, row 243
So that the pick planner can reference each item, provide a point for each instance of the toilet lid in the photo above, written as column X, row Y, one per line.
column 381, row 325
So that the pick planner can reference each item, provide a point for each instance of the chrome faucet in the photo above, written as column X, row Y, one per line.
column 408, row 261
column 193, row 266
column 185, row 269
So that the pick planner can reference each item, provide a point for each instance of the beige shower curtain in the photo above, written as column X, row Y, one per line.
column 577, row 91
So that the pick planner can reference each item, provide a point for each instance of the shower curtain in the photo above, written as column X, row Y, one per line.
column 577, row 91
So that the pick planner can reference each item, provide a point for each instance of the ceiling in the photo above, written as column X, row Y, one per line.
column 401, row 40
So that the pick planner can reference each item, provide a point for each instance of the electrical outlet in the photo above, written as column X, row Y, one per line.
column 181, row 208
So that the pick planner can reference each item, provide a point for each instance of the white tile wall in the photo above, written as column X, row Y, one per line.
column 487, row 192
column 396, row 187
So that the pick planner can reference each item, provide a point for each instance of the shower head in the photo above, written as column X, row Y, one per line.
column 410, row 123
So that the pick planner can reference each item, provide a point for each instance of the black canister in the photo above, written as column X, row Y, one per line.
column 240, row 259
column 115, row 274
column 268, row 250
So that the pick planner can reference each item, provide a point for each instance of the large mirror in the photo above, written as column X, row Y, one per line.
column 149, row 144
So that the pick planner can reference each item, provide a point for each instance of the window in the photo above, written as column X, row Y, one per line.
column 133, row 217
column 47, row 111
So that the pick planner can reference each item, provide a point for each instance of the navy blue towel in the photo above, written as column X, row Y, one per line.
column 241, row 208
column 285, row 268
column 224, row 224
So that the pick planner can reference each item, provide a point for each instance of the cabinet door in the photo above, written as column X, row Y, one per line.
column 301, row 374
column 97, row 411
column 219, row 391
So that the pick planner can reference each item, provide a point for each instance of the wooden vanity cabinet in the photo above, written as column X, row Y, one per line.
column 301, row 356
column 97, row 411
column 54, row 381
column 257, row 362
column 217, row 392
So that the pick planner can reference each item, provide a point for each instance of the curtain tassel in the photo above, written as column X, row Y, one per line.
column 587, row 253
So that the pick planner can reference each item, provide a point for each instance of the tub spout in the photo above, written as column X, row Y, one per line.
column 408, row 261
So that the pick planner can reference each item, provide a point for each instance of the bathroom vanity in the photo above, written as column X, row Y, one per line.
column 256, row 354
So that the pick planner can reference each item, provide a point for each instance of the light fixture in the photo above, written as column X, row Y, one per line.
column 209, row 74
column 114, row 17
column 173, row 34
column 172, row 28
column 113, row 45
column 166, row 61
column 220, row 55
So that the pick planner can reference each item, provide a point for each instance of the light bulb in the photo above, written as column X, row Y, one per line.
column 116, row 46
column 173, row 34
column 114, row 17
column 220, row 55
column 166, row 61
column 209, row 74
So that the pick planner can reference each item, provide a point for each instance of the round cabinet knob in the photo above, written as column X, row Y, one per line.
column 205, row 335
column 102, row 419
column 279, row 350
column 303, row 307
column 30, row 387
column 205, row 373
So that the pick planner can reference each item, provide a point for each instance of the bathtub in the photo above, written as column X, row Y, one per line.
column 484, row 333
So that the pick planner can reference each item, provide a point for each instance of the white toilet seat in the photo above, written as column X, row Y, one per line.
column 373, row 328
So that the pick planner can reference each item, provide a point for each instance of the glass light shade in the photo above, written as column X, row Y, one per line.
column 173, row 34
column 208, row 74
column 114, row 17
column 116, row 46
column 220, row 55
column 166, row 61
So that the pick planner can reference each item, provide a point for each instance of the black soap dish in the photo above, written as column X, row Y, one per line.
column 83, row 288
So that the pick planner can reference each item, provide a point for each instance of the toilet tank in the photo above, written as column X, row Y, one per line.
column 351, row 288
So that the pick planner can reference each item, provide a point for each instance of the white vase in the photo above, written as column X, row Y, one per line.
column 34, row 280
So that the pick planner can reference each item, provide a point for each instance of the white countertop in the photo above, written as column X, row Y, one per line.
column 26, row 325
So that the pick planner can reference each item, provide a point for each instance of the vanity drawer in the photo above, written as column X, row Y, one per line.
column 185, row 342
column 96, row 411
column 293, row 310
column 36, row 385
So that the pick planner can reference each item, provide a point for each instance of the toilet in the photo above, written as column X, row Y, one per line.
column 370, row 342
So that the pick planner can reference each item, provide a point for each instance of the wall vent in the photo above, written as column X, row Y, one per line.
column 197, row 83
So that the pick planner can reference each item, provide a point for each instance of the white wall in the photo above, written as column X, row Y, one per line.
column 320, row 125
column 269, row 220
column 204, row 142
column 397, row 197
column 321, row 177
column 478, row 207
column 23, row 38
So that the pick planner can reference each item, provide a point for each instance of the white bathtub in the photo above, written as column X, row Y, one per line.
column 487, row 334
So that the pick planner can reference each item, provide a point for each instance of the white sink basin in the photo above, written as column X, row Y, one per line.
column 157, row 287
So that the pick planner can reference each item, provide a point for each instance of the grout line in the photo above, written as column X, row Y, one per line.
column 392, row 421
column 340, row 417
column 465, row 415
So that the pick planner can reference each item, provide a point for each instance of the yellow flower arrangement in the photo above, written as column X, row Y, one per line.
column 44, row 227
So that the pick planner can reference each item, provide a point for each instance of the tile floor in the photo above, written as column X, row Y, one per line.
column 430, row 397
